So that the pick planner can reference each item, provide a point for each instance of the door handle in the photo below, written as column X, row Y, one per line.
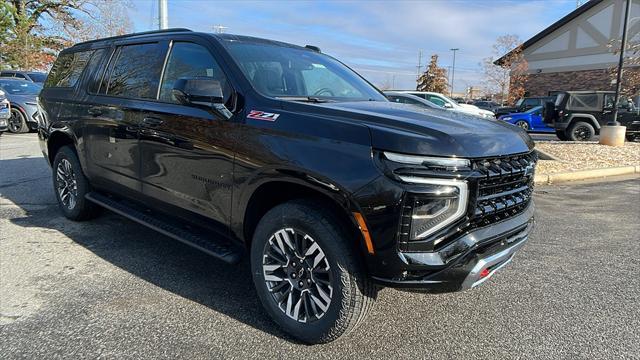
column 95, row 111
column 152, row 121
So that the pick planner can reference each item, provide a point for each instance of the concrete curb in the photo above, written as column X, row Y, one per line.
column 585, row 174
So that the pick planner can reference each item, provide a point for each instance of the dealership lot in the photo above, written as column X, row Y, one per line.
column 111, row 288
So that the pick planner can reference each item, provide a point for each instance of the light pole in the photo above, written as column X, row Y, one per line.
column 163, row 14
column 623, row 45
column 613, row 133
column 453, row 71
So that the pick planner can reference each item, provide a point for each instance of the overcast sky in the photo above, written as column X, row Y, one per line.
column 379, row 39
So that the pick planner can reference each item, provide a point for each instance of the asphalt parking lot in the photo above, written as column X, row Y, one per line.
column 113, row 289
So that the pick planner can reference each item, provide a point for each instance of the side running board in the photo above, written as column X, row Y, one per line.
column 225, row 252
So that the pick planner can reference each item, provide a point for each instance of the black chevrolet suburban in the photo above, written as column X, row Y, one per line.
column 238, row 145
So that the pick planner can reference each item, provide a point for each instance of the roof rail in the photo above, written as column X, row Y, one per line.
column 135, row 34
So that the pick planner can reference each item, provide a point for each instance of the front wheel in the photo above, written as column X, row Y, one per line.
column 18, row 122
column 307, row 274
column 71, row 186
column 523, row 125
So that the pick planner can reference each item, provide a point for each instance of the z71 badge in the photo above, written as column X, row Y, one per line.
column 261, row 115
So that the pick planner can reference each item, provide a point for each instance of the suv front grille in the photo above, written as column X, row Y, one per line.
column 505, row 187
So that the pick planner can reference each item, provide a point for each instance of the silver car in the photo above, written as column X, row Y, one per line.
column 5, row 112
column 22, row 96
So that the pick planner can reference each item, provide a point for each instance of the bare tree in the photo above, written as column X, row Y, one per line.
column 33, row 32
column 385, row 85
column 630, row 77
column 100, row 18
column 26, row 42
column 506, row 70
column 434, row 78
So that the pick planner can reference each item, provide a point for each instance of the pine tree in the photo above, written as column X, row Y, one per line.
column 434, row 79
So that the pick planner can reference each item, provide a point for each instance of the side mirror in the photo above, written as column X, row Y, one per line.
column 198, row 91
column 201, row 91
column 448, row 106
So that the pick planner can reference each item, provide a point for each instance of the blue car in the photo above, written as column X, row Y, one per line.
column 530, row 120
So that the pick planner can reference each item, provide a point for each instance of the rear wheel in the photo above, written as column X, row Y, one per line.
column 581, row 131
column 71, row 186
column 307, row 274
column 18, row 122
column 633, row 137
column 523, row 125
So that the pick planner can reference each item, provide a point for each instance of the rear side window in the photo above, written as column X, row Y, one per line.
column 136, row 71
column 67, row 69
column 583, row 101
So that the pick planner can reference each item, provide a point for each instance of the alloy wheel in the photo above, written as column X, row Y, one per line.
column 16, row 121
column 582, row 133
column 297, row 275
column 67, row 184
column 523, row 125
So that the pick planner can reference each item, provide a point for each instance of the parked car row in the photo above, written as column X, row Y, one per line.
column 443, row 101
column 23, row 109
column 33, row 76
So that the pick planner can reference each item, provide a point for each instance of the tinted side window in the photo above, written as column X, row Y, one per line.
column 436, row 100
column 67, row 69
column 190, row 60
column 6, row 74
column 20, row 76
column 136, row 71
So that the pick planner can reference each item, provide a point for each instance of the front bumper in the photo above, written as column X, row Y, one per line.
column 466, row 262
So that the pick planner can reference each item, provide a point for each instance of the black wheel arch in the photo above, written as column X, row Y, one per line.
column 269, row 191
column 588, row 118
column 59, row 138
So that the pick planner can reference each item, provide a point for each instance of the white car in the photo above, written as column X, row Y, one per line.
column 449, row 103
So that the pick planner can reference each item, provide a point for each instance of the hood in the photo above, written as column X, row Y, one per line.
column 404, row 129
column 22, row 99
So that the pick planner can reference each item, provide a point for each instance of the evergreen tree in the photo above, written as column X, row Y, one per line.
column 434, row 79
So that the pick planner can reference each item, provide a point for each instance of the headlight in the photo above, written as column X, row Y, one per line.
column 428, row 161
column 444, row 203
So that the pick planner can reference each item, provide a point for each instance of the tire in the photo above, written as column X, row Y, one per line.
column 581, row 131
column 17, row 122
column 70, row 186
column 339, row 273
column 562, row 135
column 523, row 125
column 633, row 137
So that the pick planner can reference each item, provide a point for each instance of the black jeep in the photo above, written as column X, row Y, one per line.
column 579, row 115
column 241, row 146
column 523, row 105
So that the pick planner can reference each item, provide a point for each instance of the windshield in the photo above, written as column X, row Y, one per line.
column 533, row 109
column 288, row 72
column 38, row 77
column 14, row 87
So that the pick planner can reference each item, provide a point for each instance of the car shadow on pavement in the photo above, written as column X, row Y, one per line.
column 155, row 258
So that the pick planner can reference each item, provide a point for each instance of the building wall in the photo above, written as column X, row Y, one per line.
column 583, row 43
column 540, row 84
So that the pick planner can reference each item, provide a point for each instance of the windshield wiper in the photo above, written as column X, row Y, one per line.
column 311, row 99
